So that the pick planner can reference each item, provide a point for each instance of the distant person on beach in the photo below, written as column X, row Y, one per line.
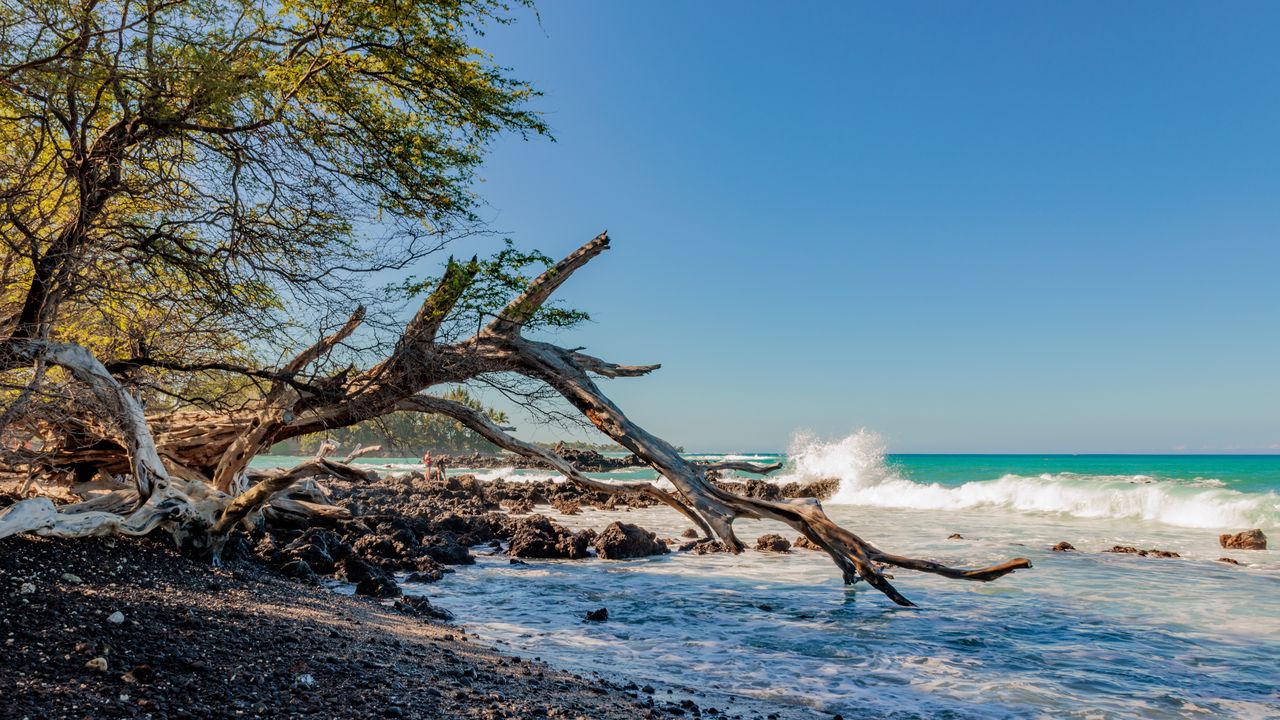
column 426, row 461
column 440, row 469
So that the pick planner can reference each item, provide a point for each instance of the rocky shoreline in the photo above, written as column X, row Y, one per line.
column 116, row 627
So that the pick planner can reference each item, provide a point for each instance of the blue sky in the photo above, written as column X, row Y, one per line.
column 970, row 227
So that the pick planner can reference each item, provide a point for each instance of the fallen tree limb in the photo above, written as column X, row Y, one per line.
column 202, row 444
column 486, row 428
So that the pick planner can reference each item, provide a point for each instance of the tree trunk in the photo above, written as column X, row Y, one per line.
column 207, row 492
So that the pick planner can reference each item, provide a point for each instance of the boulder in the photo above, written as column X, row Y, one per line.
column 955, row 536
column 1247, row 540
column 297, row 569
column 620, row 541
column 537, row 537
column 566, row 507
column 517, row 506
column 321, row 549
column 448, row 551
column 600, row 615
column 805, row 543
column 689, row 533
column 1063, row 546
column 369, row 579
column 773, row 543
column 422, row 607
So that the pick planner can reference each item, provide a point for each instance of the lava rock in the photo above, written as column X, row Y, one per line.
column 538, row 537
column 773, row 543
column 1063, row 546
column 1130, row 550
column 704, row 547
column 566, row 507
column 620, row 541
column 805, row 543
column 599, row 615
column 298, row 569
column 955, row 536
column 369, row 579
column 1247, row 540
column 422, row 607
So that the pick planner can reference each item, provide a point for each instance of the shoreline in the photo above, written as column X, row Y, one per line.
column 197, row 641
column 266, row 637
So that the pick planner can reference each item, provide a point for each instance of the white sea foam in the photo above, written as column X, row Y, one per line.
column 865, row 479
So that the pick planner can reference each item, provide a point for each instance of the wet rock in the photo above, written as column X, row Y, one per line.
column 428, row 575
column 773, row 543
column 620, row 541
column 116, row 618
column 27, row 588
column 599, row 615
column 422, row 607
column 1231, row 561
column 704, row 547
column 1247, row 540
column 73, row 579
column 689, row 533
column 98, row 663
column 298, row 569
column 369, row 579
column 449, row 552
column 1130, row 550
column 1063, row 546
column 518, row 506
column 566, row 507
column 538, row 537
column 955, row 536
column 805, row 543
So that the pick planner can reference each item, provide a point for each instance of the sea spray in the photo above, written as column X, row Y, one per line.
column 866, row 478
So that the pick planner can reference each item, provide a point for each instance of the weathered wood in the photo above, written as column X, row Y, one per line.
column 200, row 514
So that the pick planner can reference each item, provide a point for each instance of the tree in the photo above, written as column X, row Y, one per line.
column 224, row 160
column 180, row 176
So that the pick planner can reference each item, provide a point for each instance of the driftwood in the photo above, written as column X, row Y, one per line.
column 189, row 469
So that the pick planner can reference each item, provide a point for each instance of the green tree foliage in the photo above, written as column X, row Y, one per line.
column 223, row 165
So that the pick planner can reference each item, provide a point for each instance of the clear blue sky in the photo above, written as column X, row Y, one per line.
column 968, row 226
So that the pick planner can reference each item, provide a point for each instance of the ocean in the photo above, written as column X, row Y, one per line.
column 1084, row 634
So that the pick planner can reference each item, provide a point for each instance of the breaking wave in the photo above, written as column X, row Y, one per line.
column 858, row 461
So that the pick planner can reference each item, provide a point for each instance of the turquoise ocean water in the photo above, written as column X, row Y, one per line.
column 1087, row 634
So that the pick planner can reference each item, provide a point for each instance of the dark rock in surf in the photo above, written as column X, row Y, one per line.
column 1247, row 540
column 1063, row 546
column 621, row 541
column 704, row 547
column 773, row 543
column 599, row 615
column 422, row 607
column 1130, row 550
column 805, row 543
column 566, row 507
column 538, row 537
